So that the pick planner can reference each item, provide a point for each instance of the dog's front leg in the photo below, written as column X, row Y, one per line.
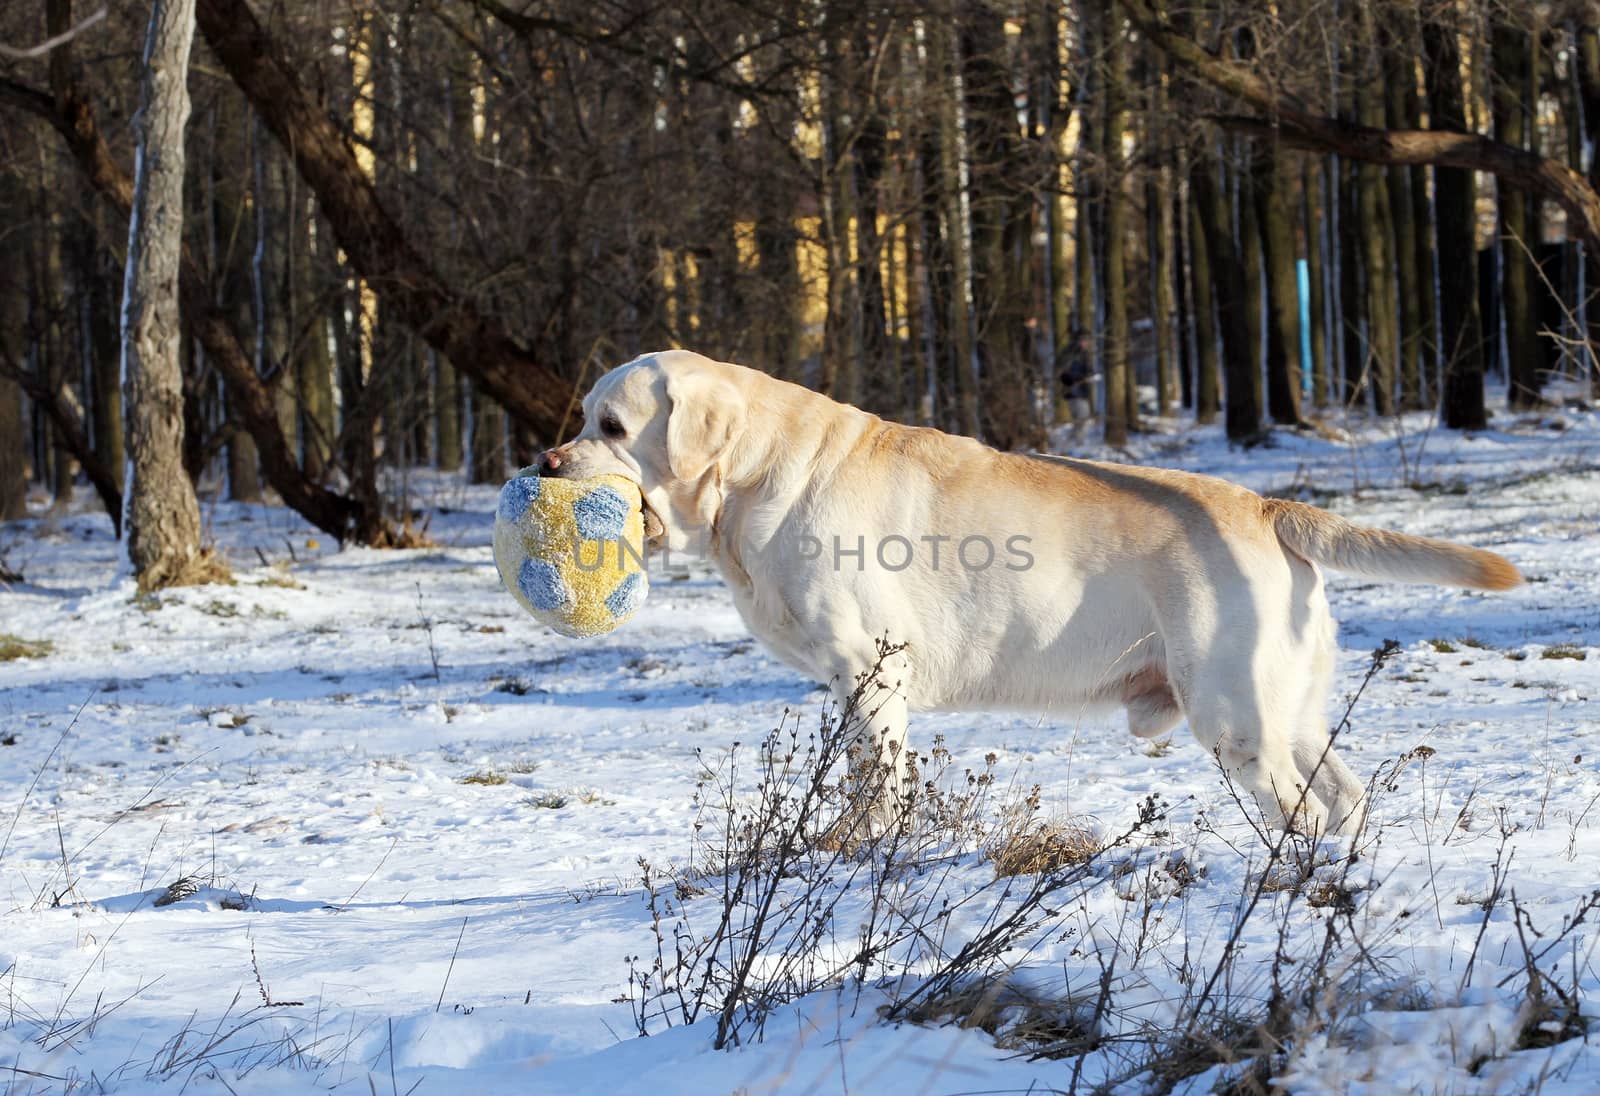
column 873, row 718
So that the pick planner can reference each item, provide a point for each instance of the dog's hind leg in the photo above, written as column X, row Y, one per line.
column 1248, row 729
column 1310, row 661
column 1319, row 765
column 1330, row 779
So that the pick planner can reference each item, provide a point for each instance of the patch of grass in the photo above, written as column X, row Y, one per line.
column 486, row 777
column 1044, row 846
column 1443, row 646
column 1565, row 650
column 1475, row 644
column 516, row 686
column 13, row 648
column 218, row 608
column 555, row 801
column 180, row 888
column 1018, row 1017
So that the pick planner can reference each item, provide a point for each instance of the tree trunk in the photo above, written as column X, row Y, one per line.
column 488, row 439
column 13, row 324
column 1316, row 241
column 1352, row 311
column 227, row 211
column 13, row 454
column 1241, row 395
column 314, row 371
column 1455, row 200
column 1158, row 199
column 1253, row 289
column 161, row 523
column 1377, row 240
column 1203, row 286
column 1283, row 288
column 1426, row 271
column 102, row 345
column 957, row 227
column 1001, row 183
column 1509, row 50
column 1398, row 71
column 1588, row 66
column 1119, row 380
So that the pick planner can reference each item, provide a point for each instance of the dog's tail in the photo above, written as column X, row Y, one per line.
column 1377, row 553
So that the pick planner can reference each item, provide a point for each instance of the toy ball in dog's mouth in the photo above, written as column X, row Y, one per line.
column 571, row 551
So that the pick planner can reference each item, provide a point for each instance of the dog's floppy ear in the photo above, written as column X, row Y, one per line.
column 707, row 413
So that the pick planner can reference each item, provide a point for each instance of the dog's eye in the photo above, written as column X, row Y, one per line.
column 611, row 427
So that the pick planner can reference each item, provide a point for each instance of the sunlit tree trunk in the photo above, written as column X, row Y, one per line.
column 161, row 524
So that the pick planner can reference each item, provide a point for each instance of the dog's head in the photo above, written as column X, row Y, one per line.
column 667, row 421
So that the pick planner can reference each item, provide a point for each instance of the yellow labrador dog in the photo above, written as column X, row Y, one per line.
column 1013, row 581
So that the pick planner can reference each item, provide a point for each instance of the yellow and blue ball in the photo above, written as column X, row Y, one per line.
column 571, row 551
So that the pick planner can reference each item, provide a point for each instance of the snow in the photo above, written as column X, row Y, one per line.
column 411, row 818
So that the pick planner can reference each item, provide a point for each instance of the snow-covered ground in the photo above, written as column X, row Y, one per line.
column 415, row 819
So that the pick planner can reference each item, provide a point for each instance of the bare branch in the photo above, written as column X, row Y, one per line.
column 1290, row 121
column 11, row 53
column 378, row 247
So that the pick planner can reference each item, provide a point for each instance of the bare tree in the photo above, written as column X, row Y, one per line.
column 161, row 523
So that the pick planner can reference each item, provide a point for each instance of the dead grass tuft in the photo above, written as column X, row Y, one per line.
column 185, row 886
column 409, row 535
column 486, row 777
column 13, row 647
column 1044, row 846
column 205, row 568
column 1565, row 650
column 1019, row 1018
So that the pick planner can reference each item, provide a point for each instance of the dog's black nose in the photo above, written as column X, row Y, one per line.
column 549, row 462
